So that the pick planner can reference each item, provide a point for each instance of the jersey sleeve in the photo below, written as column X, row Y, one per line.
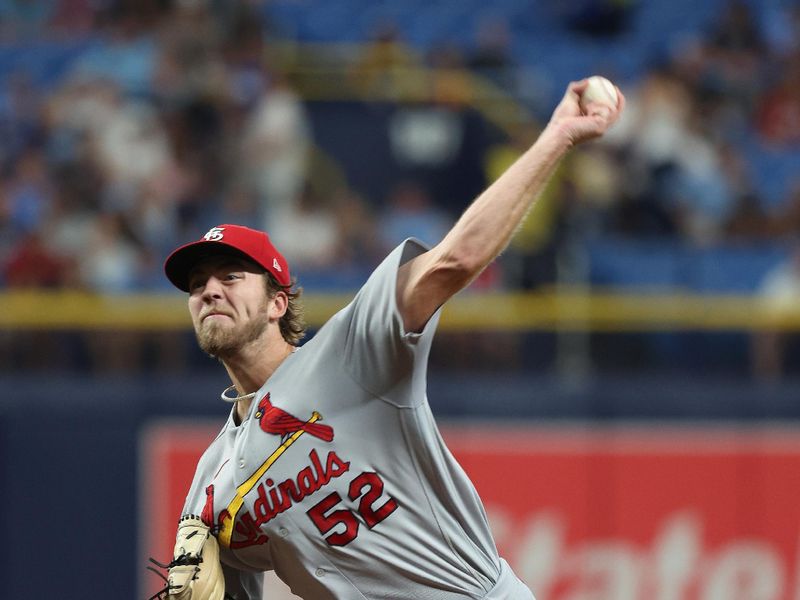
column 379, row 354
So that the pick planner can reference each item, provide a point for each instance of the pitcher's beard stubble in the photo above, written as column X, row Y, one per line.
column 220, row 339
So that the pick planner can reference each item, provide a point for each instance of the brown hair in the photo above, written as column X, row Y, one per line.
column 293, row 322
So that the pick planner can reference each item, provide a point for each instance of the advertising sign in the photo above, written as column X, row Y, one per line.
column 589, row 513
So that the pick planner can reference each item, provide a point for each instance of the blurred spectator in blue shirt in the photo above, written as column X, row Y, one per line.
column 26, row 196
column 410, row 212
column 125, row 52
column 23, row 19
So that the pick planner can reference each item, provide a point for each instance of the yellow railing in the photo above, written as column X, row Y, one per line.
column 339, row 71
column 571, row 310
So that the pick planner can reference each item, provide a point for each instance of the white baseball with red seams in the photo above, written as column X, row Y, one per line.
column 599, row 91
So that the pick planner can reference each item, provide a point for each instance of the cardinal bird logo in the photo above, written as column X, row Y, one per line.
column 279, row 422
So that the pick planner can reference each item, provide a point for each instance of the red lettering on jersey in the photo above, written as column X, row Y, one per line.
column 306, row 482
column 336, row 466
column 367, row 488
column 318, row 468
column 273, row 499
column 262, row 509
column 249, row 529
column 289, row 490
column 207, row 515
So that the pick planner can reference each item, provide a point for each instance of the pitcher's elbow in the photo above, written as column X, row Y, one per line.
column 462, row 266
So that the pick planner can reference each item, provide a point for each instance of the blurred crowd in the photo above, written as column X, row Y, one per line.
column 175, row 117
column 709, row 146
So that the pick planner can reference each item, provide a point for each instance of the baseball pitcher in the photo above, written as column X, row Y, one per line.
column 330, row 469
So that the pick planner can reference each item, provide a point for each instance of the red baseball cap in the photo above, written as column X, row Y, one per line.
column 234, row 240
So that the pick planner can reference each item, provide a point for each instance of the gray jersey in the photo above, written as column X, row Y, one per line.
column 339, row 480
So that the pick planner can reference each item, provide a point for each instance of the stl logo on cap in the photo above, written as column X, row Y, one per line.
column 214, row 234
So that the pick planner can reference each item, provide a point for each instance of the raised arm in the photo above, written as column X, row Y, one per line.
column 487, row 226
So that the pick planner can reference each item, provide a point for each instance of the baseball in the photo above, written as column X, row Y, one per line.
column 599, row 91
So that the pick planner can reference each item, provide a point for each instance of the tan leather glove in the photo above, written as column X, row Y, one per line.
column 195, row 572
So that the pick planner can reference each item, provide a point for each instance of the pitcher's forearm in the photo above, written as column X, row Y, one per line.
column 487, row 226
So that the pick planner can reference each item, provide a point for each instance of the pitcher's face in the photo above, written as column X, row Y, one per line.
column 229, row 305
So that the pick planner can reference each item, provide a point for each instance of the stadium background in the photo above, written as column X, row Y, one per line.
column 640, row 334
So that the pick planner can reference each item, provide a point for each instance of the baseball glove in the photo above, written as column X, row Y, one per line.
column 195, row 572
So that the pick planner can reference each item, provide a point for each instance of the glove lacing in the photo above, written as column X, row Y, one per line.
column 181, row 560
